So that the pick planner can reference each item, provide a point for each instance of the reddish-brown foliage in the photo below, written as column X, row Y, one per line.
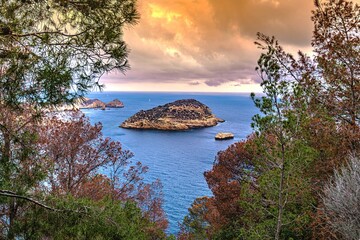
column 76, row 153
column 150, row 200
column 336, row 43
column 232, row 167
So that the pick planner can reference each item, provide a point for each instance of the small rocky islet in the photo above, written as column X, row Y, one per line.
column 116, row 103
column 224, row 136
column 96, row 103
column 175, row 116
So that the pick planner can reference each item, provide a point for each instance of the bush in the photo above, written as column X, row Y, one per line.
column 342, row 200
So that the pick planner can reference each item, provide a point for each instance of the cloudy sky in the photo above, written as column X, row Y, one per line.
column 207, row 45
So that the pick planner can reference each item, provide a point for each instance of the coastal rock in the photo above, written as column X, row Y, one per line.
column 116, row 103
column 224, row 136
column 179, row 115
column 87, row 103
column 92, row 103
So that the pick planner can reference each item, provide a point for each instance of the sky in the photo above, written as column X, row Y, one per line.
column 207, row 45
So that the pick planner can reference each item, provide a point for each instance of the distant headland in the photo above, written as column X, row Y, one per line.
column 87, row 103
column 175, row 116
column 96, row 103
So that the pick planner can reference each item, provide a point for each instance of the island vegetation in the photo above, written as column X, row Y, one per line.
column 175, row 116
column 296, row 177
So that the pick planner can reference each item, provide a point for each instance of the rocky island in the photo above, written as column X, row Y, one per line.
column 224, row 136
column 87, row 103
column 96, row 103
column 116, row 103
column 175, row 116
column 91, row 103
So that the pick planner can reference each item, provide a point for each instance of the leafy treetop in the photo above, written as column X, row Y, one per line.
column 53, row 51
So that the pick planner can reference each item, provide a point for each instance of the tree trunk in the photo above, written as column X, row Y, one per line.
column 6, row 151
column 6, row 174
column 12, row 216
column 280, row 198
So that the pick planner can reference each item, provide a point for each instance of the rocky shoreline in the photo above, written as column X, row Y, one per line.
column 175, row 116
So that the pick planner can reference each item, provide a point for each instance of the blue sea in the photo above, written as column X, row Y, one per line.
column 178, row 159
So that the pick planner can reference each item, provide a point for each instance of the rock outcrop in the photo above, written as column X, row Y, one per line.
column 224, row 136
column 116, row 103
column 92, row 103
column 179, row 115
column 87, row 103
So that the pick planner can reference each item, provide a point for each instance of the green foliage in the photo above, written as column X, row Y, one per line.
column 194, row 225
column 51, row 187
column 286, row 154
column 54, row 51
column 84, row 219
column 267, row 187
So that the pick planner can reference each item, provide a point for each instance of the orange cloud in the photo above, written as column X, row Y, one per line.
column 209, row 42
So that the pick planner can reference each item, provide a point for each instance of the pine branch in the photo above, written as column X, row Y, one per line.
column 7, row 193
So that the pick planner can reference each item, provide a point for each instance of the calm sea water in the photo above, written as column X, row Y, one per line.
column 178, row 159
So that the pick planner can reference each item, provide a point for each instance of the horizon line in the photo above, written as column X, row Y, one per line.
column 104, row 90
